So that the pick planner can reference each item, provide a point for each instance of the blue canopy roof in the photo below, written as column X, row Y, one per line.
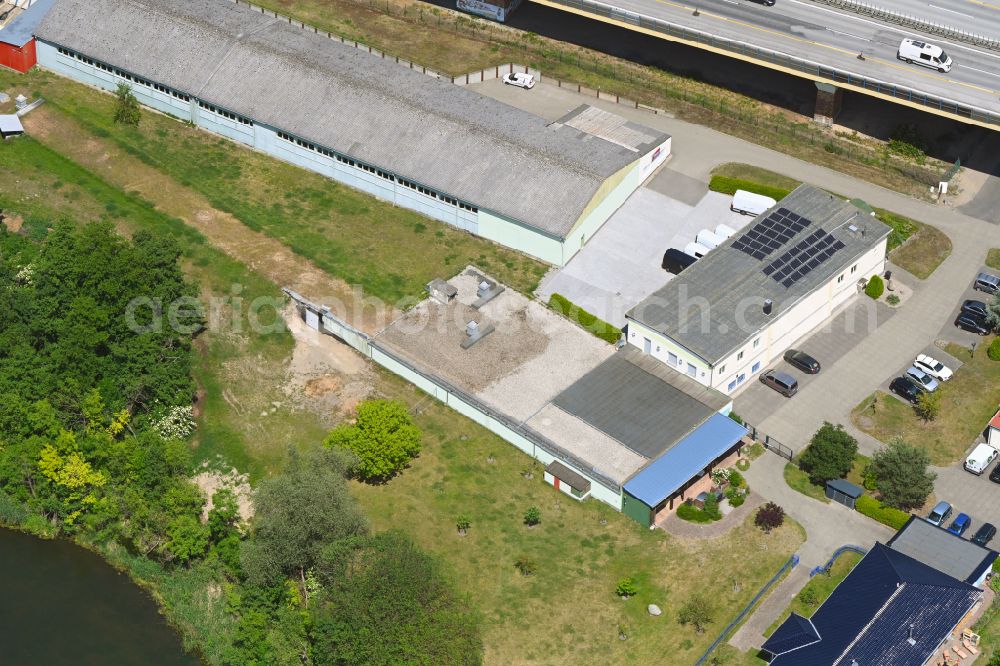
column 678, row 464
column 21, row 30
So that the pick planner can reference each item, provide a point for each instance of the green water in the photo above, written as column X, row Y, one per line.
column 61, row 604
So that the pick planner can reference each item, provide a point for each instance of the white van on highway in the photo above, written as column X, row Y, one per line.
column 922, row 53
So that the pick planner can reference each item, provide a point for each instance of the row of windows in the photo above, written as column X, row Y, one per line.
column 378, row 172
column 225, row 114
column 125, row 75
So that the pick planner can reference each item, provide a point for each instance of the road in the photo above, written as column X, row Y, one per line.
column 826, row 36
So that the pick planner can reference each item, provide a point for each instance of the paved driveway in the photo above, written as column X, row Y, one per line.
column 975, row 495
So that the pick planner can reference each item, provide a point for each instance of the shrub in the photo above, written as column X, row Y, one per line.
column 875, row 287
column 384, row 439
column 808, row 596
column 892, row 299
column 598, row 327
column 127, row 106
column 532, row 516
column 727, row 185
column 902, row 227
column 769, row 517
column 871, row 507
column 692, row 514
column 928, row 405
column 463, row 524
column 712, row 507
column 626, row 588
column 993, row 351
column 736, row 479
column 526, row 565
column 736, row 417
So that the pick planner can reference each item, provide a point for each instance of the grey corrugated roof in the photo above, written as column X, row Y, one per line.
column 567, row 475
column 22, row 27
column 937, row 547
column 846, row 487
column 632, row 401
column 730, row 283
column 444, row 136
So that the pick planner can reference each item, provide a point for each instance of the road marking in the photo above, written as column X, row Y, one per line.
column 945, row 9
column 984, row 4
column 984, row 71
column 848, row 34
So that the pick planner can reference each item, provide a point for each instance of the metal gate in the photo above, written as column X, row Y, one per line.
column 771, row 444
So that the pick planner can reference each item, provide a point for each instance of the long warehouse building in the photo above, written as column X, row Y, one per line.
column 448, row 152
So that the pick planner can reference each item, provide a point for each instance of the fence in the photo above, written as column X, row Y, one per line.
column 833, row 558
column 786, row 567
column 889, row 16
column 770, row 443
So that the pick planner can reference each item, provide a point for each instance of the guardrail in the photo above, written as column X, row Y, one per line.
column 833, row 558
column 812, row 69
column 905, row 20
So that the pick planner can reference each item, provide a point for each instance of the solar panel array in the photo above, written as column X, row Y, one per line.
column 801, row 259
column 771, row 233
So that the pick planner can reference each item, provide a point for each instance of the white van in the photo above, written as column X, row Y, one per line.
column 749, row 203
column 922, row 53
column 709, row 239
column 980, row 458
column 724, row 231
column 696, row 250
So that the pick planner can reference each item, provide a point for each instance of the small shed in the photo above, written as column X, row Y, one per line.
column 10, row 125
column 993, row 431
column 568, row 481
column 844, row 492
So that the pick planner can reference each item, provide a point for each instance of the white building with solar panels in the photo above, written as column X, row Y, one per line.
column 543, row 188
column 733, row 312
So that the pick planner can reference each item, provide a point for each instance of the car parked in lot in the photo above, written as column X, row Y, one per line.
column 972, row 324
column 519, row 79
column 922, row 378
column 802, row 361
column 975, row 308
column 906, row 388
column 961, row 523
column 987, row 282
column 933, row 367
column 781, row 382
column 984, row 534
column 939, row 514
column 995, row 474
column 980, row 458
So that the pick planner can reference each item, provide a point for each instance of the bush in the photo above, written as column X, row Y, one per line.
column 875, row 287
column 532, row 516
column 928, row 405
column 463, row 524
column 598, row 327
column 737, row 500
column 902, row 227
column 384, row 439
column 626, row 588
column 727, row 185
column 769, row 517
column 736, row 479
column 711, row 508
column 892, row 299
column 692, row 514
column 871, row 507
column 526, row 565
column 993, row 351
column 736, row 417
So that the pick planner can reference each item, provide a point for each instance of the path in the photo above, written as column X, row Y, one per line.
column 685, row 529
column 261, row 253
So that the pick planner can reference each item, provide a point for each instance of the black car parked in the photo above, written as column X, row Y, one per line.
column 675, row 261
column 802, row 361
column 906, row 388
column 995, row 474
column 975, row 308
column 972, row 324
column 984, row 534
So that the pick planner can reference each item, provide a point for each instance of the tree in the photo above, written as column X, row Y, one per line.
column 993, row 312
column 532, row 516
column 127, row 106
column 188, row 539
column 297, row 513
column 384, row 439
column 769, row 517
column 902, row 477
column 711, row 507
column 626, row 588
column 875, row 287
column 391, row 604
column 928, row 405
column 830, row 454
column 993, row 351
column 463, row 524
column 696, row 611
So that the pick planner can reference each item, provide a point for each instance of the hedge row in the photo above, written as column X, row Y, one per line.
column 728, row 185
column 692, row 514
column 598, row 327
column 886, row 515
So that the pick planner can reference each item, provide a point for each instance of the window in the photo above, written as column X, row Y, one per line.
column 756, row 343
column 732, row 385
column 692, row 370
column 742, row 377
column 672, row 358
column 739, row 357
column 840, row 278
column 722, row 369
column 755, row 368
column 854, row 269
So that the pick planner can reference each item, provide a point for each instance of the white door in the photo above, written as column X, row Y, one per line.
column 647, row 346
column 312, row 319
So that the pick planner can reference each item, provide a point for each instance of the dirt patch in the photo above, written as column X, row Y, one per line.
column 210, row 481
column 261, row 253
column 13, row 223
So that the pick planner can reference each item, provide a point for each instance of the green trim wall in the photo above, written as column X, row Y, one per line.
column 637, row 510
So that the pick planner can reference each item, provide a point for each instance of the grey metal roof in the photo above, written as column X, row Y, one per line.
column 444, row 136
column 630, row 399
column 716, row 305
column 937, row 547
column 22, row 27
column 567, row 475
column 846, row 487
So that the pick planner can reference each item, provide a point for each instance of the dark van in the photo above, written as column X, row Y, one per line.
column 781, row 382
column 674, row 261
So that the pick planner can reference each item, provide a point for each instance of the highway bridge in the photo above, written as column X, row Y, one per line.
column 839, row 44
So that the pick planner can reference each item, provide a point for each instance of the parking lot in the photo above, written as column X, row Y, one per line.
column 621, row 263
column 951, row 333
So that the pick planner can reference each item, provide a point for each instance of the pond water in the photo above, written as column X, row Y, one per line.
column 62, row 604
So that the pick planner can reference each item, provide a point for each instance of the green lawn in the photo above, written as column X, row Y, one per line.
column 916, row 247
column 392, row 252
column 967, row 403
column 988, row 628
column 993, row 259
column 799, row 480
column 816, row 591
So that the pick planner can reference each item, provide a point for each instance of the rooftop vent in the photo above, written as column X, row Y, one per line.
column 472, row 328
column 474, row 332
column 768, row 306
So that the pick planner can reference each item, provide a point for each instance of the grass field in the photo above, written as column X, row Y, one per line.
column 456, row 43
column 390, row 251
column 799, row 480
column 993, row 259
column 967, row 403
column 816, row 591
column 914, row 246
